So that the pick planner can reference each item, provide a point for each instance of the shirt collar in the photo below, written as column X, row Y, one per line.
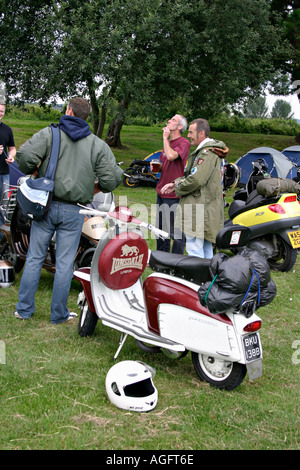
column 203, row 143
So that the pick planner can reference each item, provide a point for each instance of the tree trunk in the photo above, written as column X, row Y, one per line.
column 297, row 138
column 95, row 110
column 113, row 135
column 101, row 121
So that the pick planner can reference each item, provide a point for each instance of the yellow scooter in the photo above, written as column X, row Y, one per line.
column 272, row 220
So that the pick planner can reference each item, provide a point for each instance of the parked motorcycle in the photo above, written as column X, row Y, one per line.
column 139, row 173
column 273, row 220
column 16, row 233
column 164, row 312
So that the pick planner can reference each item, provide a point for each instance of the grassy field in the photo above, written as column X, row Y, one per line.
column 52, row 382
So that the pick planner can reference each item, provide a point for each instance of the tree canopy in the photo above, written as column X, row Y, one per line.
column 281, row 109
column 195, row 57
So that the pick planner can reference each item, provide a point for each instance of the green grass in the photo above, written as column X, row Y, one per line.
column 52, row 386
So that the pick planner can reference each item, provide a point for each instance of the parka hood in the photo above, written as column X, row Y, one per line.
column 74, row 127
column 217, row 146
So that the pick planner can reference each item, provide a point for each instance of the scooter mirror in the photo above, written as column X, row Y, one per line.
column 123, row 213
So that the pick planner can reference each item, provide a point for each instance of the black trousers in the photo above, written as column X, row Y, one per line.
column 165, row 218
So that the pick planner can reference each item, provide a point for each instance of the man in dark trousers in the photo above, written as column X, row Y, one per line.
column 173, row 159
column 7, row 155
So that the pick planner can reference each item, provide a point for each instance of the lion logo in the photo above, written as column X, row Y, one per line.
column 129, row 250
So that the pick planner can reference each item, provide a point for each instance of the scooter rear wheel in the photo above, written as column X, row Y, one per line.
column 128, row 181
column 219, row 373
column 286, row 258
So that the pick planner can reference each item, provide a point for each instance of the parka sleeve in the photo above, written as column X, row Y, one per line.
column 34, row 151
column 109, row 174
column 198, row 176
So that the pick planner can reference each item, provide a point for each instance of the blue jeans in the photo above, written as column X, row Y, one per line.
column 198, row 247
column 4, row 185
column 65, row 220
column 165, row 219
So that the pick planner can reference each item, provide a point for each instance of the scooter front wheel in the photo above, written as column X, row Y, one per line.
column 87, row 321
column 219, row 373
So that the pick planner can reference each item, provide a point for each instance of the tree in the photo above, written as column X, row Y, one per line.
column 256, row 108
column 201, row 53
column 290, row 13
column 27, row 33
column 282, row 109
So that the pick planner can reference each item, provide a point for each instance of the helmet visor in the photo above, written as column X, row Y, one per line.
column 144, row 388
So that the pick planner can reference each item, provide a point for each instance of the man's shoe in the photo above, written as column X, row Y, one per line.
column 17, row 315
column 71, row 316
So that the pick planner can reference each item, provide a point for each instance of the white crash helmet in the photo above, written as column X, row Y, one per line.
column 129, row 386
column 7, row 274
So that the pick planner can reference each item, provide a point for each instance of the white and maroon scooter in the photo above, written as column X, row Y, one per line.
column 164, row 312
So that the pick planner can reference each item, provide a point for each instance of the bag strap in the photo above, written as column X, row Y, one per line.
column 55, row 147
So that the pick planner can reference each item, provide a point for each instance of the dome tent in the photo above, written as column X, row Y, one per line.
column 293, row 154
column 278, row 164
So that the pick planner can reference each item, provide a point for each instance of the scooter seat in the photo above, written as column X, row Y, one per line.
column 239, row 206
column 191, row 268
column 141, row 162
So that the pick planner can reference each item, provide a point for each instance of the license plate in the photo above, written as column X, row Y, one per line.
column 294, row 238
column 252, row 347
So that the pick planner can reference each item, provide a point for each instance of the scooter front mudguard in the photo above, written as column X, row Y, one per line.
column 83, row 276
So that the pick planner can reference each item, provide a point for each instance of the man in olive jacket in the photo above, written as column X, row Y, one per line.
column 201, row 203
column 83, row 157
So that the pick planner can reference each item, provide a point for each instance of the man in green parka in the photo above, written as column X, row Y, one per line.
column 83, row 157
column 201, row 205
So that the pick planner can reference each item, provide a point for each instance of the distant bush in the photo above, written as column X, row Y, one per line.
column 34, row 112
column 223, row 123
column 255, row 126
column 138, row 121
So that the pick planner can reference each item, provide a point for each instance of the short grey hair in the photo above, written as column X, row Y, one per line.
column 183, row 123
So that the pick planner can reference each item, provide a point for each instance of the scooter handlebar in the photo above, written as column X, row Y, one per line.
column 93, row 212
column 155, row 230
column 125, row 215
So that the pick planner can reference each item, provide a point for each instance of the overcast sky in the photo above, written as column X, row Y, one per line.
column 291, row 99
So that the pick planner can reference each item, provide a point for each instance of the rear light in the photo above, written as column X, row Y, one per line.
column 254, row 326
column 292, row 198
column 277, row 208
